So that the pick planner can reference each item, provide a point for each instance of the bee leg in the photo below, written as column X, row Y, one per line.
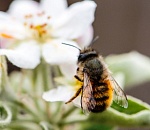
column 76, row 94
column 78, row 78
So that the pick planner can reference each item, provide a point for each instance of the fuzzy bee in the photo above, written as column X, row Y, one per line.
column 99, row 87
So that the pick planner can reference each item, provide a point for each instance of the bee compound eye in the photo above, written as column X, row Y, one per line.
column 81, row 56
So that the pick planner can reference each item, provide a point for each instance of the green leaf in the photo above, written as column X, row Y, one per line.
column 3, row 72
column 134, row 105
column 24, row 125
column 135, row 66
column 96, row 126
column 6, row 92
column 136, row 115
column 5, row 115
column 0, row 74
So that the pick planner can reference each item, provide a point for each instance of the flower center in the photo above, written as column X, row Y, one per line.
column 38, row 26
column 39, row 29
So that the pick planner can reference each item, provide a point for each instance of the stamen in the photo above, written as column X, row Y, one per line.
column 48, row 17
column 6, row 36
column 43, row 25
column 25, row 24
column 41, row 13
column 31, row 26
column 39, row 31
column 28, row 16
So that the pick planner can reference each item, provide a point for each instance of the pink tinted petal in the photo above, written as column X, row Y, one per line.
column 5, row 43
column 55, row 52
column 20, row 8
column 86, row 38
column 74, row 21
column 27, row 55
column 54, row 7
column 58, row 94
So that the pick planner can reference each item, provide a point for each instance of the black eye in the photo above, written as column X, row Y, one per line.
column 82, row 57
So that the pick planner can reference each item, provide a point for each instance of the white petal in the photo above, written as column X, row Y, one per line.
column 77, row 101
column 54, row 7
column 11, row 27
column 86, row 38
column 20, row 8
column 55, row 52
column 4, row 16
column 58, row 94
column 69, row 69
column 75, row 20
column 27, row 55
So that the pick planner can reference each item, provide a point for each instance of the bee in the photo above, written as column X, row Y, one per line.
column 99, row 88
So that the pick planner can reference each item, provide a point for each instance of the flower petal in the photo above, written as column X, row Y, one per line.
column 20, row 8
column 27, row 55
column 77, row 101
column 11, row 27
column 55, row 52
column 54, row 7
column 69, row 69
column 58, row 94
column 74, row 21
column 63, row 94
column 86, row 38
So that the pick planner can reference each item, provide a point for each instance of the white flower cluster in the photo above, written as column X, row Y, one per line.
column 31, row 31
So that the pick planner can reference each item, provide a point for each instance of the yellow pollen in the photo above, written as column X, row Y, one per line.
column 40, row 30
column 48, row 17
column 28, row 16
column 78, row 84
column 31, row 26
column 25, row 24
column 6, row 35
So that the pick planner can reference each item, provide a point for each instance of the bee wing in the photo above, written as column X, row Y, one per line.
column 119, row 95
column 87, row 100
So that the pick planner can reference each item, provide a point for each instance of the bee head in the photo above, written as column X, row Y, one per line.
column 87, row 53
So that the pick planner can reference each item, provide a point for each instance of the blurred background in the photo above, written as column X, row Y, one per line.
column 122, row 26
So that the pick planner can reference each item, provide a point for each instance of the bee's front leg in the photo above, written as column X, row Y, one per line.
column 78, row 78
column 76, row 94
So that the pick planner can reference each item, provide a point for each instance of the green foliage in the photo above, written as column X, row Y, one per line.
column 134, row 66
column 5, row 115
column 22, row 106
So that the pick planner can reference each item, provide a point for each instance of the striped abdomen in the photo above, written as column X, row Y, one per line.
column 103, row 95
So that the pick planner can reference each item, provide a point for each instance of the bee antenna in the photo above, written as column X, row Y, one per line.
column 95, row 39
column 72, row 46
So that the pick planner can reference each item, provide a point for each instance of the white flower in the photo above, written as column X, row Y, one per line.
column 64, row 93
column 36, row 30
